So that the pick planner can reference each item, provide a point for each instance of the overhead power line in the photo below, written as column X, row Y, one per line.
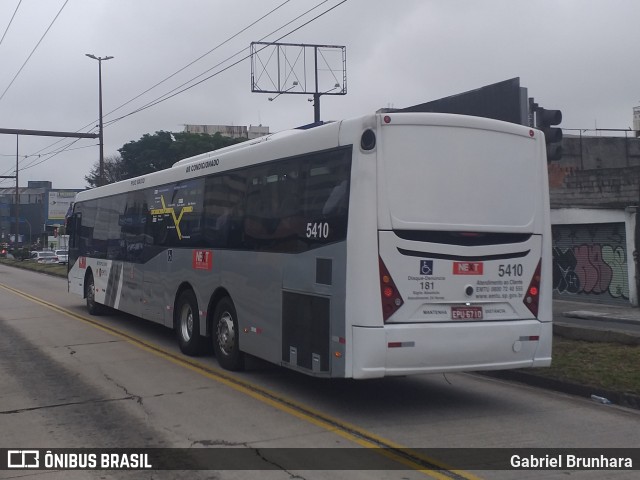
column 199, row 58
column 10, row 22
column 34, row 49
column 178, row 90
column 35, row 163
column 38, row 155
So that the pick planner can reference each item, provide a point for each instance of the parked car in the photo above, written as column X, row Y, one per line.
column 63, row 256
column 44, row 257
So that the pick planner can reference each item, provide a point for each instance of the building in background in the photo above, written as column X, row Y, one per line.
column 233, row 131
column 42, row 211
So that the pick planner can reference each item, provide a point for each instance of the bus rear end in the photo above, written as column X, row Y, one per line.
column 464, row 249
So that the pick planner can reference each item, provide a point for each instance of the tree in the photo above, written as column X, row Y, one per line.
column 156, row 152
column 162, row 149
column 112, row 171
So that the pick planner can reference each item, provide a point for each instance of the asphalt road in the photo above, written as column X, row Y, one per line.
column 70, row 380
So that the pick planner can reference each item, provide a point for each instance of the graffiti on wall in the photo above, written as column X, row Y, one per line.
column 590, row 260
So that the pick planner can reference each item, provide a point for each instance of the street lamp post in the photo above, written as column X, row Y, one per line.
column 100, row 59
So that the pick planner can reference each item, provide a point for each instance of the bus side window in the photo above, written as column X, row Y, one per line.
column 337, row 199
column 223, row 197
column 273, row 212
column 326, row 196
column 252, row 222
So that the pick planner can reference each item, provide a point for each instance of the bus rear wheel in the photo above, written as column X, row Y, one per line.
column 187, row 324
column 225, row 335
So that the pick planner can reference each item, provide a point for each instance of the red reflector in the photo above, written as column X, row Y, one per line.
column 394, row 344
column 391, row 299
column 534, row 338
column 533, row 298
column 387, row 119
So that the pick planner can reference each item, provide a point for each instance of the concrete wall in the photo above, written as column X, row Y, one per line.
column 604, row 187
column 596, row 172
column 587, row 153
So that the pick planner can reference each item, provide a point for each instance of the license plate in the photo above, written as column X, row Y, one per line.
column 466, row 313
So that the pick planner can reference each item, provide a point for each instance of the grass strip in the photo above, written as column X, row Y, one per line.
column 610, row 366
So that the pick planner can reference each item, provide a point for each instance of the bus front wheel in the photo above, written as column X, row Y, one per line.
column 188, row 324
column 225, row 335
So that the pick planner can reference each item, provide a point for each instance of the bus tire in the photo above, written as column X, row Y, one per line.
column 187, row 323
column 93, row 307
column 225, row 336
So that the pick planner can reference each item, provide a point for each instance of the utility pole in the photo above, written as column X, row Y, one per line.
column 15, row 245
column 101, row 132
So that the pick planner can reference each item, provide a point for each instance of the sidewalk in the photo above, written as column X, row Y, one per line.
column 595, row 322
column 596, row 311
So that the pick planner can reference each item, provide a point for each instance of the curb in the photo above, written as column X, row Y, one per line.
column 592, row 334
column 623, row 399
column 601, row 317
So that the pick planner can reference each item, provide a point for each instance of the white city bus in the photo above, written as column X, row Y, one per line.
column 389, row 244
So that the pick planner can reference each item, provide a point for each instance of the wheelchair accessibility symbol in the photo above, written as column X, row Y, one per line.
column 426, row 267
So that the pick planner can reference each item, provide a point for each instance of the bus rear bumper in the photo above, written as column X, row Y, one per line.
column 406, row 349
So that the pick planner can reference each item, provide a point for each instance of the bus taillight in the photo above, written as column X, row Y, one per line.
column 532, row 296
column 391, row 299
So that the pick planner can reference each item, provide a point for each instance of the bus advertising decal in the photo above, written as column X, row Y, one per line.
column 202, row 259
column 203, row 165
column 467, row 268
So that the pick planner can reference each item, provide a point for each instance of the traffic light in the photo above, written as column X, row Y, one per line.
column 545, row 121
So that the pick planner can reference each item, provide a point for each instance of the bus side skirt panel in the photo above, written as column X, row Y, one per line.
column 306, row 331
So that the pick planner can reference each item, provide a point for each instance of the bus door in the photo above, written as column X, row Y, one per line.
column 152, row 299
column 73, row 225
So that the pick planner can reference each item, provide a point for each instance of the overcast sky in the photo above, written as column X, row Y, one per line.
column 580, row 56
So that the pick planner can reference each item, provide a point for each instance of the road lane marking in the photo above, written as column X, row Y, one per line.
column 394, row 451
